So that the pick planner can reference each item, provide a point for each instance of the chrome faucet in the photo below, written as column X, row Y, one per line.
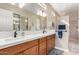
column 44, row 31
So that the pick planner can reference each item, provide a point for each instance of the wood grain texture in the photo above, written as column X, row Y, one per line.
column 40, row 46
column 50, row 43
column 18, row 48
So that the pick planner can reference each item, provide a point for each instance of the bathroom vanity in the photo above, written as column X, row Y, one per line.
column 34, row 34
column 40, row 44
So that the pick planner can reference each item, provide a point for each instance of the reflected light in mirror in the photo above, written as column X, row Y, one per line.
column 42, row 5
column 44, row 15
column 26, row 20
column 40, row 13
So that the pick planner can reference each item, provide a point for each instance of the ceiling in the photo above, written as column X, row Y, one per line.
column 33, row 7
column 63, row 8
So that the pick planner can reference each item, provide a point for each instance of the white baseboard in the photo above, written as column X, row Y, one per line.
column 62, row 49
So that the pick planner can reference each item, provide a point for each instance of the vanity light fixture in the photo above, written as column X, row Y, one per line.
column 44, row 15
column 41, row 13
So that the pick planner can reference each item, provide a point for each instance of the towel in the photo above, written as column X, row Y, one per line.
column 60, row 34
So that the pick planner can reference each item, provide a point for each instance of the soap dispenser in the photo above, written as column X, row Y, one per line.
column 15, row 34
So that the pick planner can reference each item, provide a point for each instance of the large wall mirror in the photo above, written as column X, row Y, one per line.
column 26, row 18
column 14, row 21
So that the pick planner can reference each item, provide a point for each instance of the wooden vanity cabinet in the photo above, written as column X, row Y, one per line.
column 50, row 43
column 42, row 46
column 18, row 49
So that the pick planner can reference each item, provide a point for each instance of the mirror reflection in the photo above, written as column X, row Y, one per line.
column 16, row 22
column 29, row 17
column 23, row 23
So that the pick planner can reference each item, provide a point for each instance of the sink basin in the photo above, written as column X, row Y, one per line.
column 12, row 39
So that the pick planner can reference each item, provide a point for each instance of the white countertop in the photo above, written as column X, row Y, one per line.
column 7, row 42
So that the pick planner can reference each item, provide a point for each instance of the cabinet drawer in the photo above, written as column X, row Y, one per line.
column 18, row 48
column 31, row 51
column 42, row 48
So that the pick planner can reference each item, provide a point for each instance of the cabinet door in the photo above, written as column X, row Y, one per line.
column 50, row 43
column 42, row 48
column 30, row 51
column 53, row 42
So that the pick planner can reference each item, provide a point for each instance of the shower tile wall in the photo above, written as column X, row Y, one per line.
column 73, row 16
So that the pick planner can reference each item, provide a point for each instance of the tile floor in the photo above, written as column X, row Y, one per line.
column 56, row 52
column 59, row 52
